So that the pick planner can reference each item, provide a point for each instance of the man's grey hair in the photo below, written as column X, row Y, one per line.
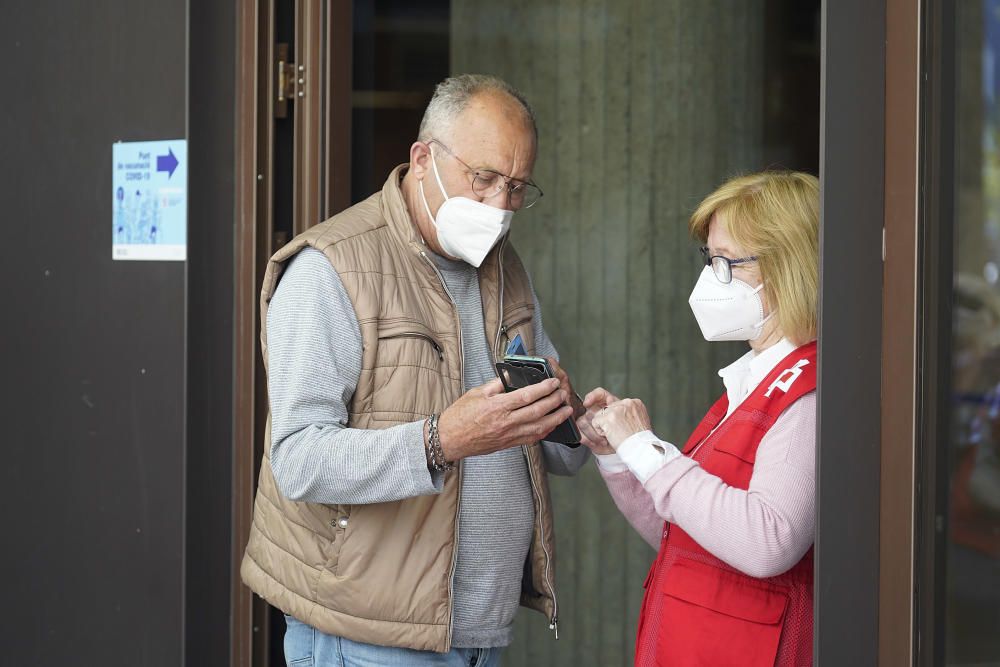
column 452, row 96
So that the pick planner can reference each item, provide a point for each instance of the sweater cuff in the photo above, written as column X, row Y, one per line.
column 611, row 463
column 425, row 481
column 645, row 454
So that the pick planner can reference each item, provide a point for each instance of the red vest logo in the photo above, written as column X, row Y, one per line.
column 787, row 378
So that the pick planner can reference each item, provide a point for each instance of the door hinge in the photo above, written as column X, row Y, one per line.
column 290, row 81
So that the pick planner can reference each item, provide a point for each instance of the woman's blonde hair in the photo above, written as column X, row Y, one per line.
column 775, row 216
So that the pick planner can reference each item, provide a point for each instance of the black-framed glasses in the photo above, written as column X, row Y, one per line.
column 487, row 183
column 722, row 266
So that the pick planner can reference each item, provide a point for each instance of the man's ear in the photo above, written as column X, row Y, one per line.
column 420, row 159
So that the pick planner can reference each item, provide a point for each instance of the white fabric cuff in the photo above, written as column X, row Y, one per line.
column 611, row 462
column 645, row 454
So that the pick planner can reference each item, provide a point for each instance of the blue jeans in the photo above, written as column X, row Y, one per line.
column 305, row 646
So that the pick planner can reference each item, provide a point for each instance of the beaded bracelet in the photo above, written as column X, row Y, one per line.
column 435, row 455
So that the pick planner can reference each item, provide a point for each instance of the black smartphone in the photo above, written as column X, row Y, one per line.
column 517, row 372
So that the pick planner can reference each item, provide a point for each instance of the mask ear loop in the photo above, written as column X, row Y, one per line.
column 760, row 325
column 427, row 208
column 437, row 175
column 423, row 197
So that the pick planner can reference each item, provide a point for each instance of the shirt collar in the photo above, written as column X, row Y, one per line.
column 743, row 375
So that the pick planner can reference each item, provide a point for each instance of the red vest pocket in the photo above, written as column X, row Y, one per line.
column 742, row 435
column 718, row 618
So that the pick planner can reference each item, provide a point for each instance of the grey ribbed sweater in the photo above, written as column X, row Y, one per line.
column 314, row 360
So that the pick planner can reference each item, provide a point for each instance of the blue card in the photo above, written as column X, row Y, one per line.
column 516, row 346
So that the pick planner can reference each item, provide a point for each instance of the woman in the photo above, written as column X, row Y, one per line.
column 732, row 511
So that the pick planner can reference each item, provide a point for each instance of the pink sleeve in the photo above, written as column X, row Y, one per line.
column 764, row 530
column 635, row 504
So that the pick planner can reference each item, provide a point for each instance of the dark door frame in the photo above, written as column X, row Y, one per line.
column 852, row 141
column 321, row 107
column 247, row 192
column 900, row 334
column 933, row 398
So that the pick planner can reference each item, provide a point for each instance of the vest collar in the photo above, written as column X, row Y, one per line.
column 394, row 209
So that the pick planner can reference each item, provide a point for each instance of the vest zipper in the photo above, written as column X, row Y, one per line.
column 496, row 344
column 415, row 334
column 461, row 468
column 554, row 621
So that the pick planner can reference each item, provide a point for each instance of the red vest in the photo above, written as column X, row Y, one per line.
column 698, row 611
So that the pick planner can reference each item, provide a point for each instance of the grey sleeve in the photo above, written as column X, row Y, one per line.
column 559, row 459
column 314, row 363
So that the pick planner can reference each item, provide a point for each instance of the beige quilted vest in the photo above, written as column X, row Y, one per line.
column 382, row 573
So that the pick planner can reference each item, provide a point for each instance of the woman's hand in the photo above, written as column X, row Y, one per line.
column 618, row 421
column 594, row 402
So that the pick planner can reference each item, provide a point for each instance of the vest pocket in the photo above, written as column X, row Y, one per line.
column 335, row 520
column 711, row 616
column 419, row 335
column 743, row 447
column 515, row 324
column 408, row 342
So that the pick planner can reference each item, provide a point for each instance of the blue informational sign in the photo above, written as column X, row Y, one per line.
column 149, row 200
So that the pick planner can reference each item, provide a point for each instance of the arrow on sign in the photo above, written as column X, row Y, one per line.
column 166, row 163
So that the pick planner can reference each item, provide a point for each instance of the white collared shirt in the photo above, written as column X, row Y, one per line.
column 644, row 453
column 743, row 375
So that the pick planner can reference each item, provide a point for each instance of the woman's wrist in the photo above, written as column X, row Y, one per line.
column 611, row 462
column 645, row 454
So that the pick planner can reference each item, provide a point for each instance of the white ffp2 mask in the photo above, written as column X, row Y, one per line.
column 727, row 312
column 466, row 228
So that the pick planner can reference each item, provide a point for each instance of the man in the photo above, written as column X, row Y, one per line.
column 403, row 510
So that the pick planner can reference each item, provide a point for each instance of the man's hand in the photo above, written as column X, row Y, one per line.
column 593, row 403
column 486, row 420
column 567, row 386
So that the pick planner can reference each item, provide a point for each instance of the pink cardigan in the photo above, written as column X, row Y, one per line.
column 762, row 531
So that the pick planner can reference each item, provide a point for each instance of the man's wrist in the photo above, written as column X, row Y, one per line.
column 436, row 459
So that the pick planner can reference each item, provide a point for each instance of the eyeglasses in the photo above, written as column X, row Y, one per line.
column 487, row 183
column 722, row 267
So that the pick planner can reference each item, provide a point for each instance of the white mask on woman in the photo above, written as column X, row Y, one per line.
column 727, row 312
column 466, row 228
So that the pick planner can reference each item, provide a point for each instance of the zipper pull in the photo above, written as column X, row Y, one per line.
column 502, row 331
column 554, row 625
column 440, row 350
